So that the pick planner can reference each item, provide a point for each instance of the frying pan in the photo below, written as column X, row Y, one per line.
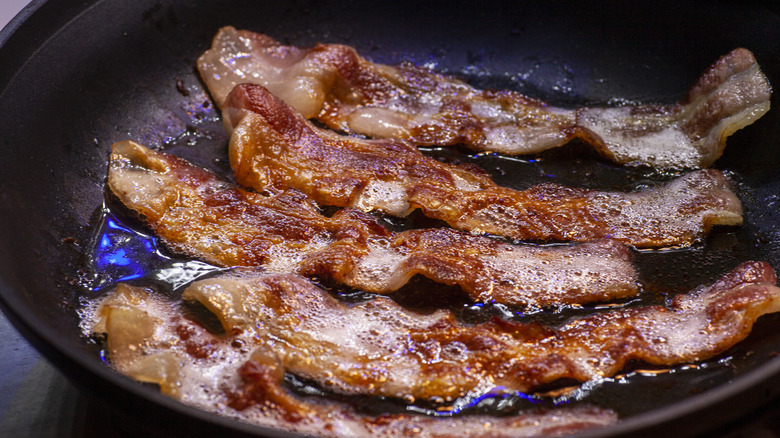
column 77, row 76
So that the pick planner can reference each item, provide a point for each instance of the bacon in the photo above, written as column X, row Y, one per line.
column 334, row 84
column 197, row 214
column 557, row 422
column 150, row 340
column 274, row 146
column 378, row 348
column 285, row 324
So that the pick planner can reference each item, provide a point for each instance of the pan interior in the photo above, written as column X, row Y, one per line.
column 115, row 70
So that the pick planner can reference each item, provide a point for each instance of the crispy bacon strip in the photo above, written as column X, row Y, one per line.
column 378, row 348
column 335, row 85
column 197, row 214
column 274, row 146
column 150, row 340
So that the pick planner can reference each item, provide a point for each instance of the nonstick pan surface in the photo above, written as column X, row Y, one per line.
column 77, row 76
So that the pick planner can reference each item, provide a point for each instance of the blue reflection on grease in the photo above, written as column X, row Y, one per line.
column 499, row 398
column 119, row 252
column 496, row 399
column 122, row 253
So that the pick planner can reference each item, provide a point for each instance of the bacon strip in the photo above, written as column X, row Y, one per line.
column 348, row 93
column 197, row 214
column 274, row 146
column 150, row 340
column 378, row 348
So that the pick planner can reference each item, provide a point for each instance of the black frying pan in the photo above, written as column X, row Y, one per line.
column 77, row 76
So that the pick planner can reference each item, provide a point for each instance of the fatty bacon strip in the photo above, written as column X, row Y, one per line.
column 334, row 84
column 273, row 146
column 377, row 348
column 197, row 214
column 152, row 339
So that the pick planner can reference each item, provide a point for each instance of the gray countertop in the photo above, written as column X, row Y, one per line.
column 9, row 9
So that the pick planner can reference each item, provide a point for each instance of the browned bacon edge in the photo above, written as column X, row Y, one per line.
column 349, row 93
column 274, row 146
column 197, row 214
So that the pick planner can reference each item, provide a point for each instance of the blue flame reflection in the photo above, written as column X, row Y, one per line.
column 496, row 399
column 122, row 253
